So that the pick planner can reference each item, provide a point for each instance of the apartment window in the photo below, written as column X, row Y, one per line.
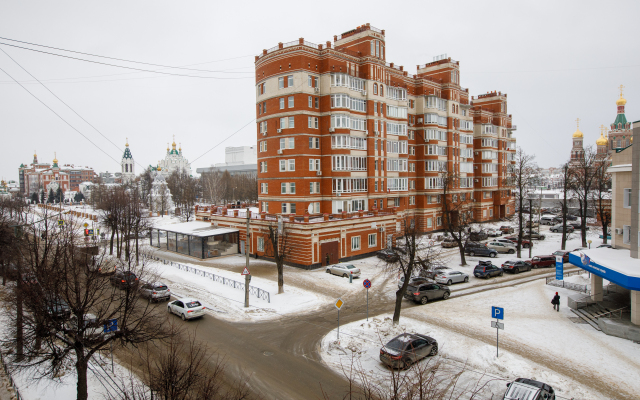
column 314, row 187
column 283, row 143
column 310, row 81
column 290, row 102
column 627, row 198
column 265, row 206
column 282, row 123
column 314, row 164
column 375, row 89
column 264, row 188
column 310, row 102
column 439, row 221
column 429, row 223
column 491, row 213
column 355, row 243
column 376, row 186
column 292, row 143
column 283, row 165
column 317, row 102
column 292, row 165
column 263, row 166
column 373, row 240
column 281, row 103
column 314, row 143
column 626, row 234
column 412, row 200
column 260, row 244
column 412, row 184
column 291, row 123
column 263, row 146
column 312, row 122
column 281, row 82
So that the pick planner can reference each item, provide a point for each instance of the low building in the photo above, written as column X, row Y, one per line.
column 241, row 160
column 196, row 239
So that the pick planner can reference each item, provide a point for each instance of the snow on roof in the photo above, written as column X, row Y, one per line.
column 615, row 259
column 196, row 228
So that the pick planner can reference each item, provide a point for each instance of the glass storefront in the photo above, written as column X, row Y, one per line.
column 196, row 246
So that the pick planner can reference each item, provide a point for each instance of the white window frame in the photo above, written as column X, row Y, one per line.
column 372, row 240
column 355, row 243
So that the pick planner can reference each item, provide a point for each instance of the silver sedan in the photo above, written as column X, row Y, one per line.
column 449, row 277
column 344, row 270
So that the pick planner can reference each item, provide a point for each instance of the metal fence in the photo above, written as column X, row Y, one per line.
column 253, row 291
column 551, row 281
column 11, row 382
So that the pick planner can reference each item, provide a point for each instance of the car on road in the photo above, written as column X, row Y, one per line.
column 533, row 235
column 546, row 220
column 507, row 229
column 187, row 308
column 56, row 307
column 515, row 266
column 502, row 247
column 478, row 249
column 525, row 243
column 478, row 236
column 530, row 224
column 124, row 279
column 427, row 291
column 432, row 271
column 92, row 327
column 343, row 270
column 485, row 269
column 577, row 225
column 155, row 291
column 571, row 217
column 449, row 277
column 528, row 389
column 387, row 255
column 449, row 242
column 407, row 349
column 494, row 232
column 414, row 281
column 558, row 228
column 542, row 261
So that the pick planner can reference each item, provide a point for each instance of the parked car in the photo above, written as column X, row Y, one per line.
column 485, row 269
column 558, row 228
column 494, row 232
column 525, row 243
column 92, row 327
column 571, row 217
column 605, row 245
column 533, row 235
column 478, row 249
column 577, row 225
column 414, row 281
column 344, row 270
column 502, row 247
column 433, row 271
column 407, row 349
column 515, row 266
column 542, row 261
column 546, row 220
column 449, row 277
column 29, row 278
column 528, row 389
column 57, row 307
column 155, row 291
column 124, row 279
column 531, row 224
column 563, row 253
column 448, row 243
column 506, row 229
column 187, row 308
column 387, row 255
column 478, row 236
column 428, row 291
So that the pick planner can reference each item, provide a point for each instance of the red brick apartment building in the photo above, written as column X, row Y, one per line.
column 343, row 133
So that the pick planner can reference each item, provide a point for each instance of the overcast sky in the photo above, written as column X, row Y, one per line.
column 556, row 60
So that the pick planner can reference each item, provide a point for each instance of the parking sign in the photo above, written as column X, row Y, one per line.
column 497, row 312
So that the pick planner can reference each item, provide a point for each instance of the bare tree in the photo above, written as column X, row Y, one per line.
column 210, row 183
column 583, row 174
column 564, row 207
column 278, row 247
column 145, row 186
column 184, row 190
column 525, row 174
column 601, row 194
column 457, row 215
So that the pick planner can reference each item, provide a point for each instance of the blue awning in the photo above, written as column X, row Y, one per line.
column 614, row 265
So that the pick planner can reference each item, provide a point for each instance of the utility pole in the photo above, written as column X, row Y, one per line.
column 247, row 278
column 531, row 225
column 539, row 209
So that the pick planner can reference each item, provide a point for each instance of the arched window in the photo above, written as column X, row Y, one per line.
column 126, row 168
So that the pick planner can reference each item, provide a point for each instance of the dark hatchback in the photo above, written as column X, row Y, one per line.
column 387, row 255
column 485, row 269
column 407, row 349
column 478, row 249
column 124, row 279
column 515, row 266
column 422, row 293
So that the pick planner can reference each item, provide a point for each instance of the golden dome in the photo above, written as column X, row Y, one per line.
column 55, row 158
column 577, row 133
column 602, row 141
column 621, row 101
column 173, row 145
column 127, row 144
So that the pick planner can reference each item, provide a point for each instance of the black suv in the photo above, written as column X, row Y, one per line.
column 485, row 269
column 124, row 279
column 427, row 291
column 479, row 249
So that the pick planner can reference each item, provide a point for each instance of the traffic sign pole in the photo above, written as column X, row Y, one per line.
column 497, row 336
column 338, row 324
column 367, row 284
column 367, row 304
column 339, row 305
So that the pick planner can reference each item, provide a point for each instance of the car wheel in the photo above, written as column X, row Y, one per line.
column 328, row 271
column 183, row 317
column 541, row 237
column 501, row 273
column 525, row 246
column 434, row 350
column 493, row 255
column 150, row 300
column 516, row 271
column 466, row 279
column 345, row 275
column 169, row 309
column 446, row 295
column 449, row 282
column 471, row 253
column 424, row 300
column 511, row 251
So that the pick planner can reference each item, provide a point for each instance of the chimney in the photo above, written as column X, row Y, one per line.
column 328, row 44
column 301, row 41
column 335, row 38
column 280, row 45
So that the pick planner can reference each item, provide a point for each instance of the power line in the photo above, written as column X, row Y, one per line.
column 58, row 115
column 131, row 61
column 122, row 66
column 222, row 141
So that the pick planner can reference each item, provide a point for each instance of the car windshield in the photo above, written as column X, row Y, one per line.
column 350, row 267
column 193, row 304
column 397, row 344
column 161, row 287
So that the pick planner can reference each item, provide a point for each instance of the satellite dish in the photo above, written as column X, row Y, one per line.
column 310, row 208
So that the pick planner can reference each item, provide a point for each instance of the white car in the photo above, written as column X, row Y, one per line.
column 92, row 329
column 187, row 308
column 344, row 270
column 494, row 232
column 449, row 277
column 502, row 247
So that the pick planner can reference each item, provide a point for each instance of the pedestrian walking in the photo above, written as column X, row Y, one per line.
column 328, row 259
column 556, row 302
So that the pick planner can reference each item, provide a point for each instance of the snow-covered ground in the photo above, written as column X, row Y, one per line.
column 537, row 343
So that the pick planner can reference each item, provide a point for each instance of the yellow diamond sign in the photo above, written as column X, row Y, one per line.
column 339, row 304
column 85, row 224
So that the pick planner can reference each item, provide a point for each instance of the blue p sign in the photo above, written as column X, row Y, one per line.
column 497, row 312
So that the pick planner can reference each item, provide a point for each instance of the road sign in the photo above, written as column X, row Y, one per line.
column 559, row 268
column 497, row 325
column 497, row 312
column 111, row 326
column 366, row 283
column 60, row 222
column 85, row 225
column 245, row 271
column 339, row 304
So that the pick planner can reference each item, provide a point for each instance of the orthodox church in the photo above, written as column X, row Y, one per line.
column 127, row 165
column 173, row 160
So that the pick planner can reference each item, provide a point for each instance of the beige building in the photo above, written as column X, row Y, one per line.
column 621, row 208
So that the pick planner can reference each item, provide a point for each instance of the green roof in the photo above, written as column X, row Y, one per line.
column 127, row 153
column 620, row 119
column 174, row 151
